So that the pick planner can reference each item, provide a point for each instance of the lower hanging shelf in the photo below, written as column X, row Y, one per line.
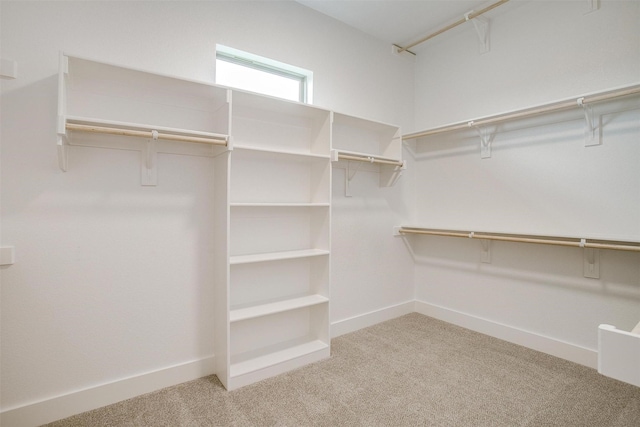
column 284, row 352
column 277, row 337
column 247, row 368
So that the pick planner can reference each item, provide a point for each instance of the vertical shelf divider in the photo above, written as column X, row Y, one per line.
column 276, row 290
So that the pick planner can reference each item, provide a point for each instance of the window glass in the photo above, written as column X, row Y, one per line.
column 256, row 74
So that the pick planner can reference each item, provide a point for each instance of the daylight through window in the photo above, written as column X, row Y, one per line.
column 256, row 74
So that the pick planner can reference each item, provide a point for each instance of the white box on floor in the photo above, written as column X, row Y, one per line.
column 619, row 353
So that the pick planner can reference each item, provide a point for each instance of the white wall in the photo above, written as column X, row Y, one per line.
column 540, row 179
column 114, row 280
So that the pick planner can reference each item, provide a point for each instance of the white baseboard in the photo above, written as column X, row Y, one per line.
column 561, row 349
column 50, row 410
column 64, row 406
column 60, row 407
column 355, row 323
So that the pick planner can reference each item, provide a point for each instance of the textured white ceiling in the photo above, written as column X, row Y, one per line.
column 396, row 21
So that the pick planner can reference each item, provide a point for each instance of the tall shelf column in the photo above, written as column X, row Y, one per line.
column 279, row 204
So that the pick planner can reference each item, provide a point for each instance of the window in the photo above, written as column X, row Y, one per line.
column 250, row 72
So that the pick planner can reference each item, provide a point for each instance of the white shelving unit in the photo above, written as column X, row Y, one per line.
column 277, row 316
column 365, row 140
column 272, row 162
column 112, row 103
column 366, row 137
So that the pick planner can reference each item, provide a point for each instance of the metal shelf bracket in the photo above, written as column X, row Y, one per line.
column 592, row 134
column 592, row 6
column 149, row 163
column 486, row 138
column 591, row 263
column 485, row 251
column 62, row 144
column 481, row 24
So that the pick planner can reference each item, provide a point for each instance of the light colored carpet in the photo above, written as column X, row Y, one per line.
column 410, row 371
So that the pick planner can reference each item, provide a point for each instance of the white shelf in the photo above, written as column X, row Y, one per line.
column 271, row 357
column 262, row 122
column 239, row 314
column 277, row 316
column 276, row 256
column 272, row 190
column 121, row 94
column 282, row 152
column 360, row 122
column 276, row 205
column 98, row 94
column 259, row 283
column 362, row 137
column 279, row 106
column 267, row 176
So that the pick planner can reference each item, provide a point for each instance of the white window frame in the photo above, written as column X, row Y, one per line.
column 260, row 63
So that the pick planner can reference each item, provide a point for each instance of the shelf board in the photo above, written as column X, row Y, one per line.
column 277, row 205
column 239, row 314
column 272, row 358
column 360, row 122
column 283, row 152
column 277, row 105
column 190, row 87
column 276, row 256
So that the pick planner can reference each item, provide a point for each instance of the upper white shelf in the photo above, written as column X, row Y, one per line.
column 263, row 122
column 97, row 99
column 366, row 137
column 100, row 91
column 580, row 102
column 571, row 241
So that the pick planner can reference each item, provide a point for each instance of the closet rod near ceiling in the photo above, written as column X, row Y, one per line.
column 150, row 134
column 460, row 21
column 370, row 160
column 547, row 240
column 541, row 109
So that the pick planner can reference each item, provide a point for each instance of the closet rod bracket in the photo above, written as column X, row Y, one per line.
column 485, row 251
column 592, row 6
column 62, row 144
column 486, row 138
column 63, row 156
column 481, row 24
column 149, row 161
column 592, row 126
column 591, row 263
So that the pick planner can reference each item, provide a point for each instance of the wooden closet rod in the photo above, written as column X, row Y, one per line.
column 546, row 108
column 369, row 160
column 574, row 242
column 145, row 134
column 455, row 24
